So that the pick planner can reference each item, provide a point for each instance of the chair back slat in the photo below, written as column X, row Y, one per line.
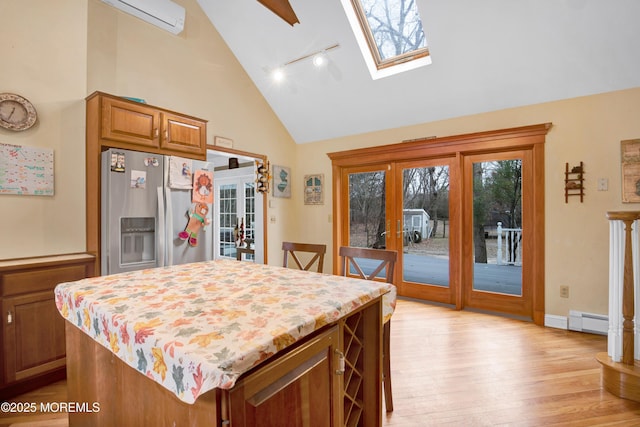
column 387, row 260
column 293, row 249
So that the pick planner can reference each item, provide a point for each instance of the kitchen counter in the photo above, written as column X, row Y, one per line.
column 199, row 327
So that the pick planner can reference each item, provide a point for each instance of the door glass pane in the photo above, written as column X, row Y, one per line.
column 367, row 216
column 425, row 212
column 497, row 226
column 249, row 215
column 228, row 220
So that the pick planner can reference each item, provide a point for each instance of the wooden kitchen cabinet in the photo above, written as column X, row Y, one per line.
column 33, row 338
column 121, row 123
column 183, row 134
column 272, row 395
column 130, row 123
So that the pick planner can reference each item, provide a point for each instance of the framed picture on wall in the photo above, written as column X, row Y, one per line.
column 313, row 189
column 220, row 141
column 630, row 171
column 281, row 181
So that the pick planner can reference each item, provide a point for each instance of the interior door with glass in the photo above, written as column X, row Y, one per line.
column 425, row 229
column 236, row 212
column 498, row 225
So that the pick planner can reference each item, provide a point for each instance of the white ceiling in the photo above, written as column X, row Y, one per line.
column 487, row 55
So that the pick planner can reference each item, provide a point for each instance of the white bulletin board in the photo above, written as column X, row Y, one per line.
column 26, row 170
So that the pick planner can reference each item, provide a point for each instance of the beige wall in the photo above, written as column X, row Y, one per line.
column 44, row 60
column 587, row 129
column 62, row 51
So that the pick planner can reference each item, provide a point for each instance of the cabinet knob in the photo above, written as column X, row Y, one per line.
column 157, row 132
column 9, row 317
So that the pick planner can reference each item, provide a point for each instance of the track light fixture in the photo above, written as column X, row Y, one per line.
column 318, row 58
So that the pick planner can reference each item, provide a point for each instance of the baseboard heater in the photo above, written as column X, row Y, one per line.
column 588, row 322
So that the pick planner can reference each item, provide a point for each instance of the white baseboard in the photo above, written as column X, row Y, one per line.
column 558, row 322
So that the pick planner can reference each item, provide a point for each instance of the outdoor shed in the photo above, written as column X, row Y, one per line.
column 417, row 220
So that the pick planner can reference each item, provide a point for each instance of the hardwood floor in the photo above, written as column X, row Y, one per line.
column 467, row 369
column 472, row 369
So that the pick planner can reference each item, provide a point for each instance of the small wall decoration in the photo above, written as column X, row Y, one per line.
column 26, row 170
column 630, row 171
column 281, row 181
column 222, row 142
column 313, row 189
column 262, row 176
column 574, row 181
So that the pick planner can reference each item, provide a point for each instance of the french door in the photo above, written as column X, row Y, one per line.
column 427, row 218
column 407, row 207
column 236, row 211
column 466, row 218
column 497, row 223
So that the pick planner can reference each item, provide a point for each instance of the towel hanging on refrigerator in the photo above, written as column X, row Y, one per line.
column 180, row 173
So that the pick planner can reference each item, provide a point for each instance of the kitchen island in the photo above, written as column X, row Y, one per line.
column 224, row 343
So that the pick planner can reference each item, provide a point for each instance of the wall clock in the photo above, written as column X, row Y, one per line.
column 16, row 112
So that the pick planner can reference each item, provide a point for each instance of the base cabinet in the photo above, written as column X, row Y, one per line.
column 33, row 338
column 332, row 378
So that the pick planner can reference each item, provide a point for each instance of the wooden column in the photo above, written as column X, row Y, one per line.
column 622, row 378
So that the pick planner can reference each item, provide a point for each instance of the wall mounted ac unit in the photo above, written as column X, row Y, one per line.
column 161, row 13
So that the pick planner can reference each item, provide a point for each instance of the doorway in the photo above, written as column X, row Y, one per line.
column 238, row 206
column 444, row 207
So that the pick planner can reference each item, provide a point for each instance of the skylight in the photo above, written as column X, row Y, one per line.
column 389, row 33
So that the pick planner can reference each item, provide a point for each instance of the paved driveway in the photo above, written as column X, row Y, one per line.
column 506, row 279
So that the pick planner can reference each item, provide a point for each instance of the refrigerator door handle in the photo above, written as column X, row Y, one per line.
column 169, row 225
column 162, row 235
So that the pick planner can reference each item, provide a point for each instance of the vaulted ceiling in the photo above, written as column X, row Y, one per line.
column 486, row 55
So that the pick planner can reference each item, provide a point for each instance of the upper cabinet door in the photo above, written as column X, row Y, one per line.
column 183, row 134
column 130, row 123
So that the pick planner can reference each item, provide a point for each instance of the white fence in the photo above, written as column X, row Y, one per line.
column 509, row 246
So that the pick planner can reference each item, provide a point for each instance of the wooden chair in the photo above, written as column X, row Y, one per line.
column 387, row 261
column 295, row 248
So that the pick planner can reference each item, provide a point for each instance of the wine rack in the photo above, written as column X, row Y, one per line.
column 353, row 374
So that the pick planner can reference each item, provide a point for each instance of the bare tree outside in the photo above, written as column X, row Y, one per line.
column 497, row 197
column 367, row 209
column 428, row 189
column 395, row 25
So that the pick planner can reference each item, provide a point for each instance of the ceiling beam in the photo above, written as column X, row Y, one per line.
column 283, row 9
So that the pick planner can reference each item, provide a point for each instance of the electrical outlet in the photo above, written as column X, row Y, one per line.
column 564, row 291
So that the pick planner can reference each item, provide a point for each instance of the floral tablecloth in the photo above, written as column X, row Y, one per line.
column 196, row 327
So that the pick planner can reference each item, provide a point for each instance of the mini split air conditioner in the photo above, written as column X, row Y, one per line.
column 161, row 13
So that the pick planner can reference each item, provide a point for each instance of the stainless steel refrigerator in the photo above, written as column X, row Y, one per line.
column 144, row 210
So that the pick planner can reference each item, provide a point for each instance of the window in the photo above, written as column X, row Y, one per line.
column 390, row 34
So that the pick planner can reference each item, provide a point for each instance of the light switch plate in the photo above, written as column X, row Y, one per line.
column 603, row 184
